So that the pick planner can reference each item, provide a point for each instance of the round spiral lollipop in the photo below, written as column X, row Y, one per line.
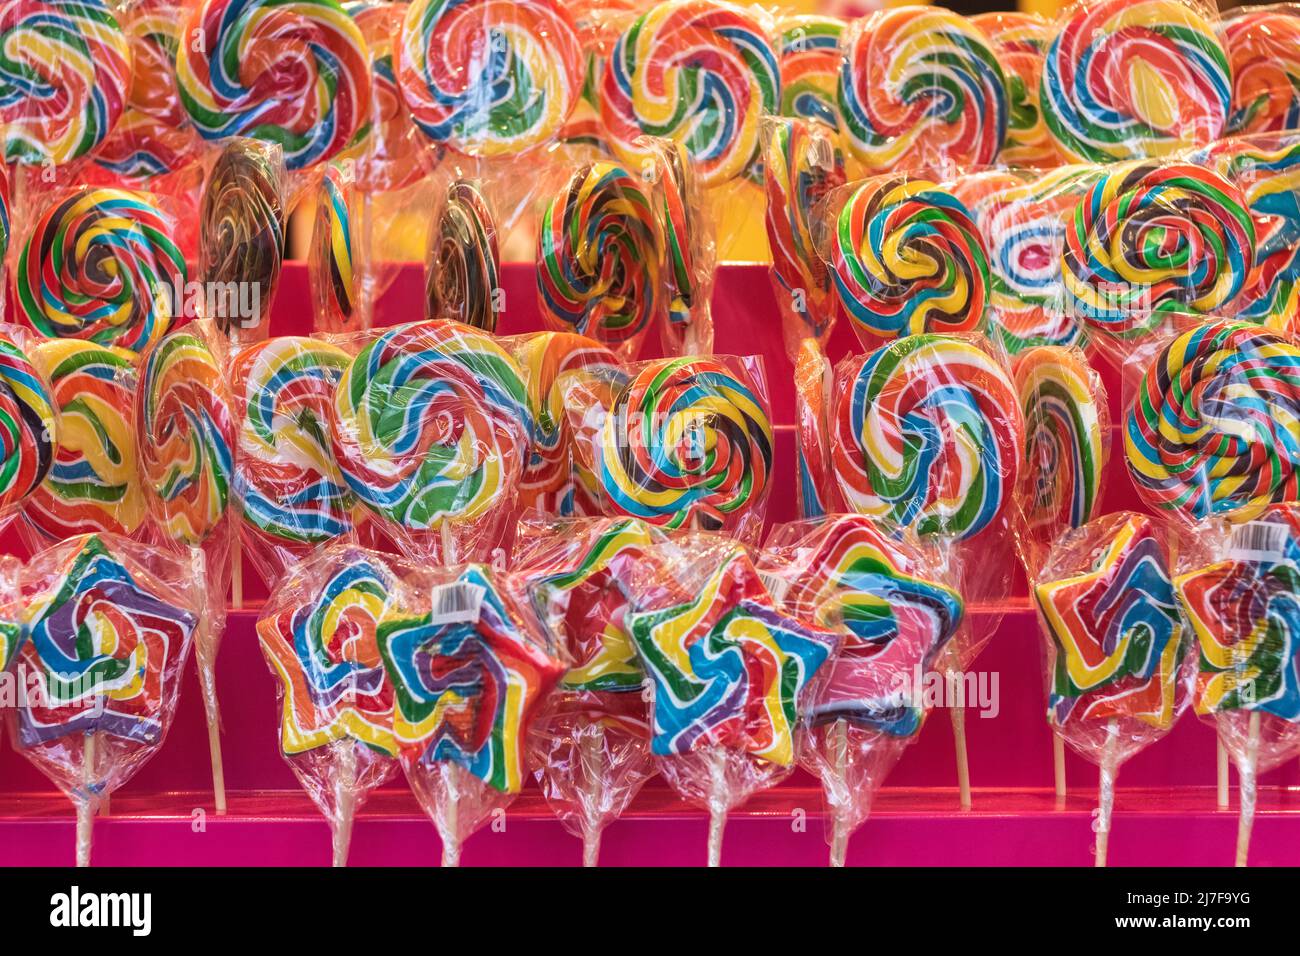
column 921, row 87
column 1155, row 237
column 809, row 49
column 431, row 423
column 1215, row 426
column 65, row 73
column 295, row 74
column 688, row 442
column 286, row 480
column 462, row 273
column 333, row 274
column 681, row 235
column 598, row 257
column 1131, row 78
column 1264, row 53
column 1019, row 40
column 906, row 257
column 102, row 265
column 185, row 437
column 697, row 71
column 28, row 426
column 489, row 77
column 927, row 433
column 93, row 485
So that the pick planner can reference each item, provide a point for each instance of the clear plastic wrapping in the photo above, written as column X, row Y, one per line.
column 342, row 301
column 463, row 262
column 1263, row 46
column 1019, row 40
column 816, row 492
column 808, row 46
column 29, row 421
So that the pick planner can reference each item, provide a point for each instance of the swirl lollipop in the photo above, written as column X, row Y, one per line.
column 700, row 72
column 1262, row 50
column 1151, row 238
column 93, row 485
column 333, row 268
column 461, row 272
column 921, row 87
column 1019, row 41
column 927, row 433
column 598, row 257
column 686, row 253
column 906, row 257
column 64, row 78
column 1130, row 78
column 489, row 77
column 297, row 75
column 102, row 265
column 153, row 29
column 144, row 147
column 28, row 426
column 1215, row 427
column 809, row 49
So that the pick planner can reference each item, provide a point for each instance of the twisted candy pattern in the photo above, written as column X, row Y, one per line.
column 1264, row 53
column 93, row 485
column 65, row 72
column 185, row 436
column 103, row 265
column 927, row 433
column 430, row 423
column 462, row 275
column 1019, row 41
column 333, row 275
column 700, row 72
column 920, row 87
column 680, row 229
column 1130, row 78
column 295, row 74
column 1215, row 426
column 489, row 77
column 153, row 28
column 1155, row 237
column 28, row 426
column 1117, row 631
column 598, row 257
column 906, row 257
column 286, row 481
column 688, row 442
column 809, row 53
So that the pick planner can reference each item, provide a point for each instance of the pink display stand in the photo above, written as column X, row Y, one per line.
column 1165, row 812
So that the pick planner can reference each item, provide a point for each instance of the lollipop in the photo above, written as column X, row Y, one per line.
column 102, row 265
column 1215, row 426
column 1262, row 51
column 297, row 75
column 1019, row 41
column 153, row 28
column 927, row 433
column 28, row 426
column 812, row 397
column 810, row 65
column 906, row 257
column 1130, row 78
column 62, row 94
column 598, row 257
column 921, row 87
column 93, row 485
column 461, row 272
column 700, row 72
column 487, row 77
column 144, row 147
column 686, row 253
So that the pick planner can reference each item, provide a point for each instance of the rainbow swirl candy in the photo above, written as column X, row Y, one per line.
column 1264, row 54
column 1019, row 41
column 28, row 426
column 334, row 280
column 143, row 147
column 551, row 482
column 102, row 265
column 801, row 164
column 104, row 651
column 286, row 481
column 325, row 650
column 1245, row 613
column 921, row 87
column 430, row 423
column 1215, row 426
column 701, row 72
column 906, row 257
column 489, row 77
column 462, row 271
column 93, row 485
column 65, row 74
column 729, row 667
column 681, row 238
column 1065, row 438
column 812, row 393
column 809, row 51
column 5, row 225
column 1154, row 237
column 850, row 573
column 153, row 29
column 598, row 256
column 297, row 74
column 1117, row 632
column 927, row 433
column 1131, row 78
column 688, row 442
column 185, row 437
column 468, row 685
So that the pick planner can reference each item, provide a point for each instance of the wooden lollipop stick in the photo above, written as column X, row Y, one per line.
column 450, row 813
column 1058, row 765
column 1221, row 754
column 958, row 715
column 717, row 803
column 346, row 801
column 86, row 806
column 839, row 831
column 236, row 571
column 593, row 760
column 1246, row 772
column 1107, row 800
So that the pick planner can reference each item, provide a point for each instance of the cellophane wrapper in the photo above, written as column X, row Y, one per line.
column 27, row 400
column 816, row 491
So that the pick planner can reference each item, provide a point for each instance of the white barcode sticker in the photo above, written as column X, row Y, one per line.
column 456, row 603
column 776, row 585
column 1258, row 541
